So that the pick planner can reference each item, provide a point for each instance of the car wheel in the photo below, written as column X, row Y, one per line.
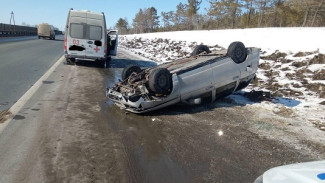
column 200, row 49
column 127, row 71
column 237, row 52
column 160, row 80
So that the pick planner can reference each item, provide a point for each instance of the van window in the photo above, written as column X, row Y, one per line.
column 95, row 32
column 77, row 31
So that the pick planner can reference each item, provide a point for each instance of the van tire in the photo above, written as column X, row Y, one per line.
column 70, row 61
column 200, row 49
column 160, row 80
column 128, row 70
column 237, row 52
column 102, row 63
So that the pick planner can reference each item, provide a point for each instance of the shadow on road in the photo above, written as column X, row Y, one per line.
column 86, row 63
column 181, row 108
column 116, row 63
column 121, row 63
column 57, row 40
column 234, row 100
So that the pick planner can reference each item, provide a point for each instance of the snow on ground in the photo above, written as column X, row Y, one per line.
column 292, row 64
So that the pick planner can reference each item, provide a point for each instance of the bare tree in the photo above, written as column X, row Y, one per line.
column 122, row 25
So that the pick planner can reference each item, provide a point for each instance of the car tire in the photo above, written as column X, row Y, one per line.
column 237, row 52
column 127, row 71
column 200, row 49
column 160, row 80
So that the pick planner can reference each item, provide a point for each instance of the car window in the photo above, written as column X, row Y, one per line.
column 77, row 30
column 95, row 32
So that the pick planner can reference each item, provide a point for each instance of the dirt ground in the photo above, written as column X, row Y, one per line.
column 83, row 137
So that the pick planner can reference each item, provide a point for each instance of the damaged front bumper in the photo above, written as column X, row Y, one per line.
column 140, row 105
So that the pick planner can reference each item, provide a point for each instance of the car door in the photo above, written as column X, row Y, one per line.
column 225, row 74
column 195, row 82
column 112, row 41
column 249, row 66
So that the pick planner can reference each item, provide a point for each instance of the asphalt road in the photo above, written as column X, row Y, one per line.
column 69, row 132
column 22, row 62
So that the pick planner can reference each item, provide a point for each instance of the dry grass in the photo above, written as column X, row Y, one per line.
column 4, row 115
column 320, row 75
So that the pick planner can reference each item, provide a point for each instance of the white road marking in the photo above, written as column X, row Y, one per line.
column 22, row 101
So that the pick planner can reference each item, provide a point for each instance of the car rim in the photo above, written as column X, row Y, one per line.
column 162, row 80
column 238, row 52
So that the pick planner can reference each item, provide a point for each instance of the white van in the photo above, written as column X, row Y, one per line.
column 85, row 37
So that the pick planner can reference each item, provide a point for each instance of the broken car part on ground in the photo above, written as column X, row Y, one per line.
column 203, row 75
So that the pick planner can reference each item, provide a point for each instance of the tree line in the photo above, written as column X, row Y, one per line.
column 227, row 14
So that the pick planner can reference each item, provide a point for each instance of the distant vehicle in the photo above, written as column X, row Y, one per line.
column 86, row 38
column 188, row 80
column 45, row 30
column 310, row 172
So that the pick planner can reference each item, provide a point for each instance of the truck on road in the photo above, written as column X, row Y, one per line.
column 44, row 30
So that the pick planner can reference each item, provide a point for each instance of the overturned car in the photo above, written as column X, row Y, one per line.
column 203, row 75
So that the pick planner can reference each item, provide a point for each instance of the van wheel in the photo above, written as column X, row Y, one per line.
column 39, row 37
column 102, row 63
column 127, row 71
column 160, row 80
column 54, row 38
column 70, row 61
column 200, row 49
column 237, row 52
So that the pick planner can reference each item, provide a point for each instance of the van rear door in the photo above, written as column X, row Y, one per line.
column 96, row 35
column 112, row 37
column 76, row 45
column 95, row 43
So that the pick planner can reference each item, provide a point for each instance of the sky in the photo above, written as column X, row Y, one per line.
column 34, row 12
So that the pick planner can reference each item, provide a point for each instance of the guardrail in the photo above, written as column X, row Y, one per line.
column 7, row 30
column 17, row 33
